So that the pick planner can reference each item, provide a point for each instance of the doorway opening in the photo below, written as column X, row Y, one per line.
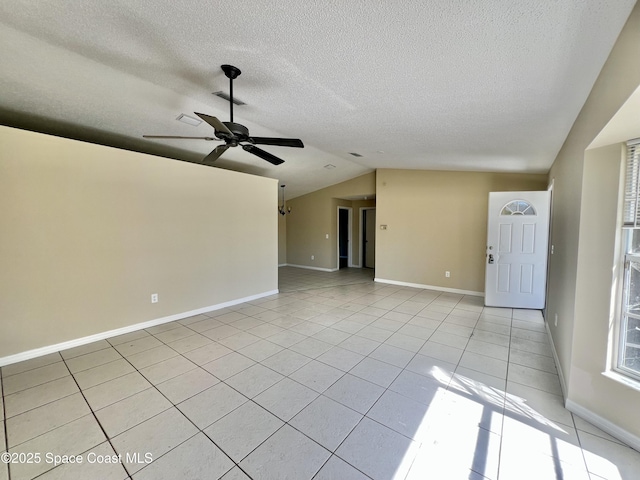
column 344, row 236
column 368, row 235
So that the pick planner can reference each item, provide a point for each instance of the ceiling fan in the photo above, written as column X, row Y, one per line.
column 234, row 134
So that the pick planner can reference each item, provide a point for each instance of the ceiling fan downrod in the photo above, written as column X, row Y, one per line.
column 231, row 72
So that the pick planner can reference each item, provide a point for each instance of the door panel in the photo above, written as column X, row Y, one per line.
column 505, row 238
column 504, row 275
column 517, row 239
column 526, row 278
column 528, row 238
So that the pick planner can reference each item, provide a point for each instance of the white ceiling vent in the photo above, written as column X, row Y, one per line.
column 226, row 97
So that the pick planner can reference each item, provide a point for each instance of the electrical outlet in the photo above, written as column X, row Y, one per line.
column 556, row 320
column 154, row 298
column 447, row 274
column 313, row 257
column 326, row 236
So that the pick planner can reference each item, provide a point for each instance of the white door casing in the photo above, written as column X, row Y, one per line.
column 517, row 240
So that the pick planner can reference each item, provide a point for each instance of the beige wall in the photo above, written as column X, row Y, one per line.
column 315, row 215
column 584, row 265
column 598, row 270
column 437, row 221
column 90, row 232
column 579, row 186
column 282, row 239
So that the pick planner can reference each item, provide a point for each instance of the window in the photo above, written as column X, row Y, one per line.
column 518, row 207
column 629, row 347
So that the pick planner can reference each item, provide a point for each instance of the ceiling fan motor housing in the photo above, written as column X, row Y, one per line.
column 240, row 133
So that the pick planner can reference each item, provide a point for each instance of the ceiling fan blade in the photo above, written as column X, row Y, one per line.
column 178, row 136
column 282, row 142
column 215, row 154
column 215, row 123
column 258, row 152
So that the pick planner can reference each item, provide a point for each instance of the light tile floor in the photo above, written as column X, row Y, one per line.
column 292, row 278
column 348, row 381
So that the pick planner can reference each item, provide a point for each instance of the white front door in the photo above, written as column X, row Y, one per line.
column 517, row 239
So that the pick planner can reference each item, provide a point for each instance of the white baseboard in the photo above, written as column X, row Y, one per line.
column 563, row 385
column 312, row 268
column 603, row 424
column 38, row 352
column 429, row 287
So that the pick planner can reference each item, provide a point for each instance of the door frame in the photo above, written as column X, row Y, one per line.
column 549, row 248
column 361, row 234
column 349, row 242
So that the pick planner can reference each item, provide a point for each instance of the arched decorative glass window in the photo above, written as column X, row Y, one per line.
column 518, row 207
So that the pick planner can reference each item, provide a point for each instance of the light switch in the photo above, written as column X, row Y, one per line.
column 326, row 236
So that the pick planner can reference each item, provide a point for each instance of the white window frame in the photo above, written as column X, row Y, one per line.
column 630, row 224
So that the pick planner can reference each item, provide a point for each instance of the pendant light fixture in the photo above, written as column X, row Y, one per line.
column 282, row 209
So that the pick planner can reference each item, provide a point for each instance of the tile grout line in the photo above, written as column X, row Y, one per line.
column 458, row 365
column 285, row 422
column 415, row 353
column 173, row 405
column 386, row 389
column 584, row 458
column 93, row 413
column 67, row 423
column 5, row 432
column 320, row 394
column 332, row 453
column 506, row 381
column 80, row 390
column 34, row 408
column 404, row 369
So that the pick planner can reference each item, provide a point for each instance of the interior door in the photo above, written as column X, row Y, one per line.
column 369, row 240
column 517, row 239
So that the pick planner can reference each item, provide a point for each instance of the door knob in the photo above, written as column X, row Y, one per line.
column 490, row 258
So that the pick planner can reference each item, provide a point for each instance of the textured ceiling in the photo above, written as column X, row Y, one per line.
column 439, row 84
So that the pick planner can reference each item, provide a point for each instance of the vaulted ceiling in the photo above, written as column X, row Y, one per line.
column 485, row 85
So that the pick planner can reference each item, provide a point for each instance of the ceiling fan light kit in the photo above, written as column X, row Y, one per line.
column 233, row 134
